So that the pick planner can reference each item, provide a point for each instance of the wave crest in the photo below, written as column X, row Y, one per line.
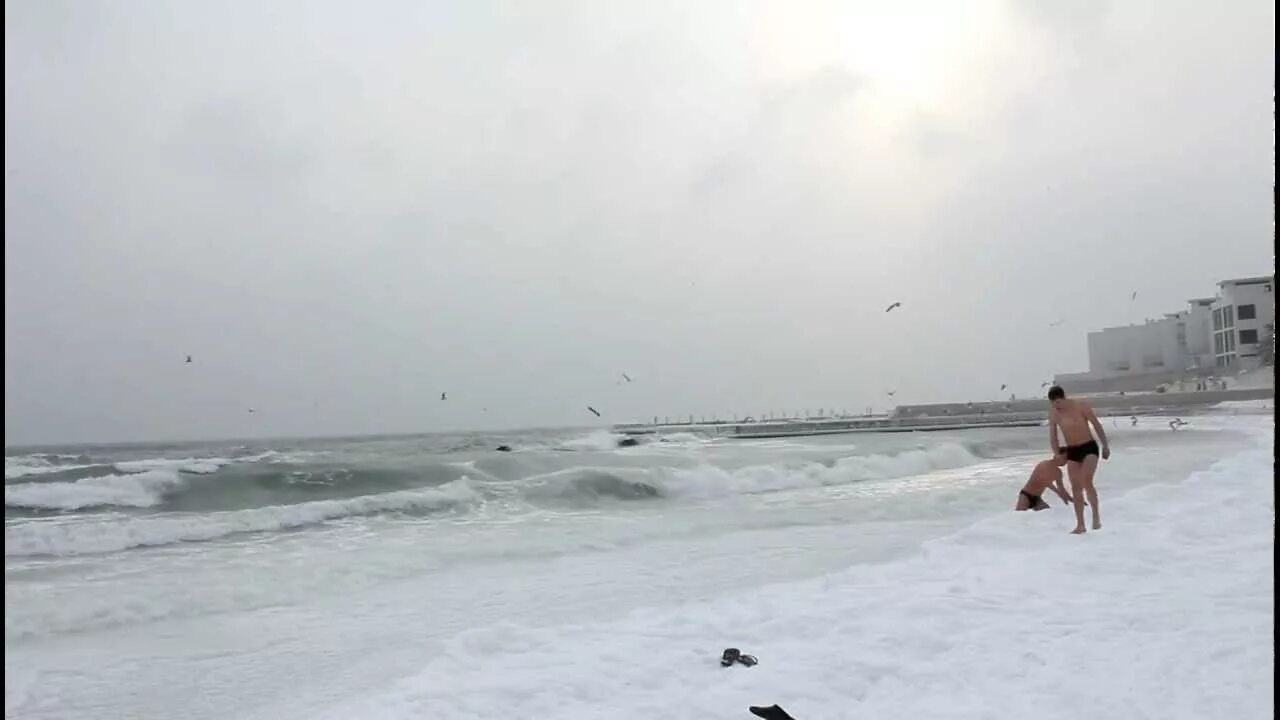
column 99, row 534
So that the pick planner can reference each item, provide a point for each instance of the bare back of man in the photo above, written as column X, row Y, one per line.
column 1045, row 476
column 1075, row 419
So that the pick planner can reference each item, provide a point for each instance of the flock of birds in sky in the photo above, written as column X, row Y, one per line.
column 625, row 378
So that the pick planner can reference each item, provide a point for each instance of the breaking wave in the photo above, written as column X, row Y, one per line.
column 86, row 535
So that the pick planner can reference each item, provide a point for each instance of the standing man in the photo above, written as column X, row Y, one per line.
column 1074, row 418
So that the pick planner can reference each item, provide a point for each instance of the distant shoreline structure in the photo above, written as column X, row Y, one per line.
column 951, row 416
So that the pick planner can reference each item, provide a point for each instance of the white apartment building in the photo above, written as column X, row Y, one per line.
column 1155, row 346
column 1210, row 336
column 1199, row 332
column 1242, row 312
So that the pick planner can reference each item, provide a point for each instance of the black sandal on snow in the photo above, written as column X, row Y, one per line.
column 773, row 712
column 748, row 660
column 729, row 657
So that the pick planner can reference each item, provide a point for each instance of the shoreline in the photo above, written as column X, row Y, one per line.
column 1164, row 616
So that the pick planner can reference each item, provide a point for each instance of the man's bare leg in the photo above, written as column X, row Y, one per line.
column 1076, row 474
column 1089, row 467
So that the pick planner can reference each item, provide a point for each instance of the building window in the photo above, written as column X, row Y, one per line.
column 1217, row 319
column 1246, row 312
column 1231, row 341
column 1229, row 316
column 1248, row 337
column 1218, row 346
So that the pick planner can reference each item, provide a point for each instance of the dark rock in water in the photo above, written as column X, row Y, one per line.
column 628, row 442
column 504, row 448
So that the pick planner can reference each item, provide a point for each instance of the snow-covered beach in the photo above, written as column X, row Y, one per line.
column 871, row 582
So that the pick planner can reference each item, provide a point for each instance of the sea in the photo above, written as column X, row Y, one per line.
column 566, row 576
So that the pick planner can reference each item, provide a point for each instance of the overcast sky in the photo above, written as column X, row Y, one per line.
column 341, row 210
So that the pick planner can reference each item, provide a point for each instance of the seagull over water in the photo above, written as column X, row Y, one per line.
column 891, row 307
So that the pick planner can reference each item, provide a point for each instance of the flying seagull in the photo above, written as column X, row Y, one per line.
column 188, row 359
column 444, row 396
column 891, row 307
column 1134, row 296
column 891, row 393
column 594, row 411
column 626, row 377
column 251, row 410
column 1055, row 323
column 1003, row 386
column 1044, row 384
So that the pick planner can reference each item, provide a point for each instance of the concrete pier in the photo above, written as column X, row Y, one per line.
column 955, row 416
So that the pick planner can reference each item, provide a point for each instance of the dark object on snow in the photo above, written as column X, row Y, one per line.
column 773, row 712
column 504, row 448
column 628, row 442
column 734, row 655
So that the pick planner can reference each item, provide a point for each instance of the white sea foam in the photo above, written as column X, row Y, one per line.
column 139, row 483
column 24, row 465
column 141, row 489
column 622, row 611
column 1167, row 613
column 597, row 440
column 709, row 480
column 199, row 466
column 111, row 533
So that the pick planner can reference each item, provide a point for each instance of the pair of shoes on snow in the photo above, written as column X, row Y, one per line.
column 734, row 655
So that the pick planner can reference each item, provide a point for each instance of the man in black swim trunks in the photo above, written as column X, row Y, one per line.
column 1074, row 418
column 1045, row 476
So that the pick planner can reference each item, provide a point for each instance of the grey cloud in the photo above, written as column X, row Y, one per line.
column 238, row 142
column 1078, row 23
column 342, row 210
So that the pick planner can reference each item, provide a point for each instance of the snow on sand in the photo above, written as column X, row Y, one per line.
column 1166, row 613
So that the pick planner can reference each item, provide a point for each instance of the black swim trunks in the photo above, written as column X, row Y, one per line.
column 1033, row 499
column 1077, row 453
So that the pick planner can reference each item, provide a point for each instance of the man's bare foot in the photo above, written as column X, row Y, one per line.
column 1078, row 531
column 1097, row 524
